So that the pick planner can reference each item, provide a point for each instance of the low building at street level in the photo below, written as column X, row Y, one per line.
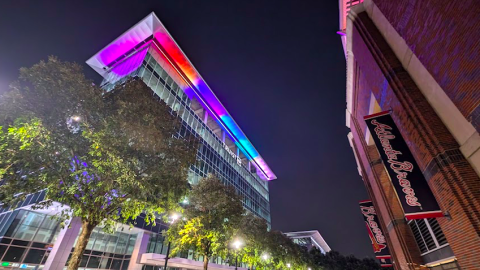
column 413, row 109
column 30, row 239
column 309, row 239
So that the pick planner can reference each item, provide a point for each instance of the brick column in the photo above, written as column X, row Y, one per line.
column 451, row 178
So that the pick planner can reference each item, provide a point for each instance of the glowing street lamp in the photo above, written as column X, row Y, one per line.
column 265, row 257
column 173, row 218
column 288, row 265
column 237, row 245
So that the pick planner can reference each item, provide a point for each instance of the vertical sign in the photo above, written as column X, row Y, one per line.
column 412, row 189
column 379, row 243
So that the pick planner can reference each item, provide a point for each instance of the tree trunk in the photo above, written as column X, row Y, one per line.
column 82, row 241
column 205, row 262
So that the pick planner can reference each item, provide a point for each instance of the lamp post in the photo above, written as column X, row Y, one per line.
column 173, row 218
column 265, row 257
column 289, row 265
column 237, row 244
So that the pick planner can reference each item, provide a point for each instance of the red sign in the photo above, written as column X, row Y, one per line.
column 379, row 242
column 408, row 180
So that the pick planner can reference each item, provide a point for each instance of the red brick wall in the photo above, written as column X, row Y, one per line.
column 445, row 36
column 452, row 180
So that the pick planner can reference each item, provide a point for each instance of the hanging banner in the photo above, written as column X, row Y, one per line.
column 411, row 186
column 379, row 243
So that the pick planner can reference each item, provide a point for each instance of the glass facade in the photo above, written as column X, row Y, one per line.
column 158, row 244
column 108, row 251
column 26, row 240
column 212, row 157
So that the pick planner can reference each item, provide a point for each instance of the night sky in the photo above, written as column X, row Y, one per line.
column 277, row 66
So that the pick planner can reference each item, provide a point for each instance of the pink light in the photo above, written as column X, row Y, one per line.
column 194, row 85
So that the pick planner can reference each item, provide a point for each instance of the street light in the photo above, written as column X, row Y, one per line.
column 237, row 244
column 288, row 265
column 265, row 257
column 173, row 218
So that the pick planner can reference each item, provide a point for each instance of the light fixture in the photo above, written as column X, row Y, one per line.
column 174, row 217
column 237, row 244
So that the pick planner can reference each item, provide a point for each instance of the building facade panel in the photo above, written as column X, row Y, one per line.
column 445, row 36
column 377, row 72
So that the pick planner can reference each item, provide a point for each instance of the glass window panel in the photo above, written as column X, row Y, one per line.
column 25, row 232
column 125, row 264
column 116, row 264
column 84, row 260
column 2, row 250
column 5, row 240
column 44, row 235
column 104, row 264
column 159, row 89
column 16, row 221
column 49, row 223
column 93, row 262
column 122, row 243
column 14, row 254
column 112, row 242
column 91, row 240
column 33, row 219
column 101, row 241
column 131, row 243
column 34, row 256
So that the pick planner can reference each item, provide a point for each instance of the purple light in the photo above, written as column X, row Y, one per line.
column 196, row 86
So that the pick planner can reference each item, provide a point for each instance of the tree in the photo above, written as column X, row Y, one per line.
column 333, row 260
column 107, row 156
column 254, row 232
column 211, row 219
column 285, row 252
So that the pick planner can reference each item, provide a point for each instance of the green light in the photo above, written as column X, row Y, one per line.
column 5, row 264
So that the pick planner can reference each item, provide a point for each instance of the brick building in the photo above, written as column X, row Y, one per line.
column 420, row 60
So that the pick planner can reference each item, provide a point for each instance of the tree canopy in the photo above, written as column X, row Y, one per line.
column 107, row 156
column 210, row 220
column 333, row 260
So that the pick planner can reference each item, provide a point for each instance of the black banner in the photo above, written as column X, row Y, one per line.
column 412, row 189
column 379, row 243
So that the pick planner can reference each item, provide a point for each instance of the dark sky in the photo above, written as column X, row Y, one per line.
column 277, row 66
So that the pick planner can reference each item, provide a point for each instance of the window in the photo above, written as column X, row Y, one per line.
column 14, row 254
column 34, row 256
column 428, row 234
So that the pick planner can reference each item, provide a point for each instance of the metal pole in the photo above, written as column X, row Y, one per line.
column 236, row 261
column 168, row 253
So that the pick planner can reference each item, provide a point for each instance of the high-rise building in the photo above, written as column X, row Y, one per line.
column 30, row 239
column 309, row 239
column 413, row 109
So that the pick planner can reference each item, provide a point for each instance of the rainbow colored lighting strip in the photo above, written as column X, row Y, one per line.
column 142, row 32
